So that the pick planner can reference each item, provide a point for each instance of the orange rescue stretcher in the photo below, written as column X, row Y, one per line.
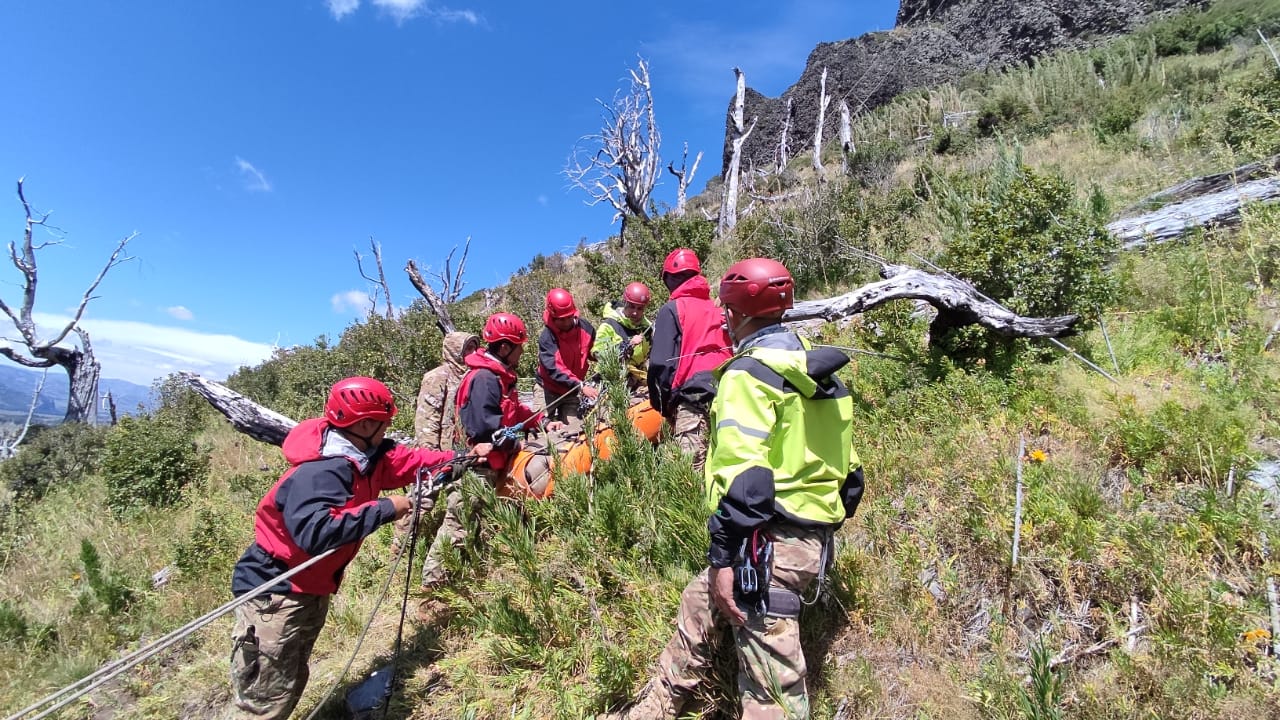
column 577, row 454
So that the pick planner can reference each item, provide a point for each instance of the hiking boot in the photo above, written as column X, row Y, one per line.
column 656, row 702
column 433, row 612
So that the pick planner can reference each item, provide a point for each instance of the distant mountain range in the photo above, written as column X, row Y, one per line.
column 17, row 385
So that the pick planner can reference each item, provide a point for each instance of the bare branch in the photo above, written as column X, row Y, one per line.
column 451, row 283
column 113, row 261
column 957, row 301
column 683, row 178
column 438, row 307
column 10, row 447
column 379, row 282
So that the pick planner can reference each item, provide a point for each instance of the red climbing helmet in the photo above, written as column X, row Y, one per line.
column 757, row 287
column 681, row 260
column 560, row 304
column 504, row 326
column 359, row 398
column 637, row 293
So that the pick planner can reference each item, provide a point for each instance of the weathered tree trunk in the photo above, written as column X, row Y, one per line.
column 958, row 303
column 783, row 153
column 1205, row 184
column 846, row 137
column 247, row 416
column 683, row 178
column 729, row 204
column 1171, row 221
column 84, row 370
column 823, row 101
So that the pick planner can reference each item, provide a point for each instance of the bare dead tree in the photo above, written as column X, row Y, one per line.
column 9, row 442
column 620, row 164
column 380, row 282
column 846, row 137
column 783, row 153
column 823, row 100
column 683, row 178
column 82, row 368
column 729, row 204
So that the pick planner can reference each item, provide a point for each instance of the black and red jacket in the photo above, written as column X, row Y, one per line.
column 563, row 357
column 689, row 341
column 329, row 498
column 487, row 402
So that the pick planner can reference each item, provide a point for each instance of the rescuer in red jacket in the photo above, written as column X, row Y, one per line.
column 327, row 499
column 689, row 341
column 564, row 353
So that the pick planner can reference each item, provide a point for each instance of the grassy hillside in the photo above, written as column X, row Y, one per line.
column 1140, row 589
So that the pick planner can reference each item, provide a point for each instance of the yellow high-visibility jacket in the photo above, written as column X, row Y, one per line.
column 781, row 441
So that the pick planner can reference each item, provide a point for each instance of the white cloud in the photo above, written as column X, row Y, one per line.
column 141, row 352
column 254, row 180
column 401, row 10
column 356, row 302
column 446, row 15
column 178, row 312
column 341, row 8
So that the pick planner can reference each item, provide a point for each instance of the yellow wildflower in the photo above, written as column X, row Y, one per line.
column 1250, row 637
column 1037, row 456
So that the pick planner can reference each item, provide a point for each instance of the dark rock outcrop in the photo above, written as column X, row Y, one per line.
column 934, row 41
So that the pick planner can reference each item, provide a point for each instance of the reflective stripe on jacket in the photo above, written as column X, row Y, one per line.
column 781, row 440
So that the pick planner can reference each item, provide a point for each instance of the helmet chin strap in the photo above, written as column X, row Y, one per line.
column 366, row 439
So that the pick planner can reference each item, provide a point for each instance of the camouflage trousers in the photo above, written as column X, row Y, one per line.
column 689, row 429
column 271, row 645
column 771, row 665
column 451, row 533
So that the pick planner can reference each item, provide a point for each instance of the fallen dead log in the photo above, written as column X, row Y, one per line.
column 1171, row 221
column 958, row 303
column 1205, row 184
column 247, row 416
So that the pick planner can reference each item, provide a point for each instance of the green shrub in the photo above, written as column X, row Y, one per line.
column 110, row 588
column 1036, row 250
column 62, row 454
column 1250, row 122
column 148, row 462
column 1118, row 114
column 210, row 543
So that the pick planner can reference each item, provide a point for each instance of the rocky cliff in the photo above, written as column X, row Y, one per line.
column 933, row 41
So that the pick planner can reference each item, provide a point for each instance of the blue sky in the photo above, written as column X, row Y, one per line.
column 253, row 146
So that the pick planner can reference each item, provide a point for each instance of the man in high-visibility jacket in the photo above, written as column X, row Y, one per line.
column 689, row 342
column 624, row 334
column 781, row 476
